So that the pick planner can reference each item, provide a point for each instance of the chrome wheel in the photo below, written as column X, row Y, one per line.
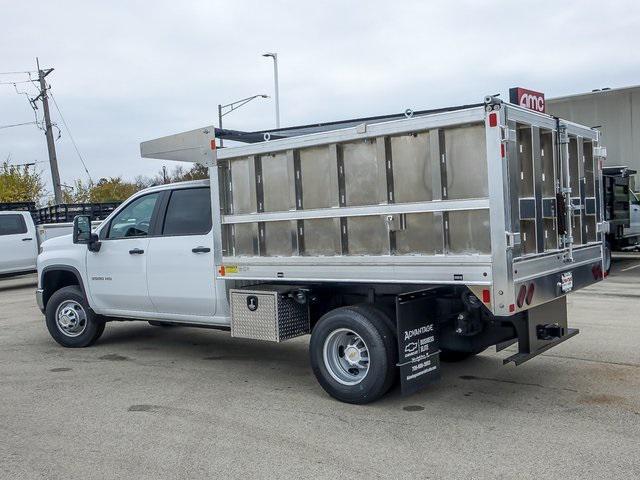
column 71, row 318
column 346, row 356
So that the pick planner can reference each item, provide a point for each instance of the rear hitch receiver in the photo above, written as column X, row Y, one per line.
column 551, row 331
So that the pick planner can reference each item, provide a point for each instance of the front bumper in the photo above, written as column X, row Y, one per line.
column 40, row 299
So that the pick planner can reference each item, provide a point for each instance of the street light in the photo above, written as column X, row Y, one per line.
column 234, row 106
column 275, row 81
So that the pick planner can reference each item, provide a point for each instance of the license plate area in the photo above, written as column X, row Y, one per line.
column 566, row 282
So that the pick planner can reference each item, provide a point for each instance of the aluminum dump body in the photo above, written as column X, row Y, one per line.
column 493, row 197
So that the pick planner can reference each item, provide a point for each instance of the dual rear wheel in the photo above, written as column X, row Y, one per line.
column 353, row 353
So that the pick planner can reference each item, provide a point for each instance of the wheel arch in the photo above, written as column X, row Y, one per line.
column 55, row 277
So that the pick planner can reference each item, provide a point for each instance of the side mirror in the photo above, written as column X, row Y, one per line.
column 82, row 229
column 83, row 235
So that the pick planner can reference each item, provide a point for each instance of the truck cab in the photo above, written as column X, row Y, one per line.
column 18, row 243
column 150, row 259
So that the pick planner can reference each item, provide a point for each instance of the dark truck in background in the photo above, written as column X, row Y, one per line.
column 621, row 211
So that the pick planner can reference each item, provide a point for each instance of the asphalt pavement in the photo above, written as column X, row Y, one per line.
column 150, row 402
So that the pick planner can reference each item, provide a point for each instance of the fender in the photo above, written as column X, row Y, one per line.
column 65, row 268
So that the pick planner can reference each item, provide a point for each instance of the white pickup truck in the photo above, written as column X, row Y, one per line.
column 396, row 242
column 18, row 243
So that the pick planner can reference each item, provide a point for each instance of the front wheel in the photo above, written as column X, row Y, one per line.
column 70, row 320
column 353, row 354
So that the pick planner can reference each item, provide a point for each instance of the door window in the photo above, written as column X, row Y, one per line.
column 12, row 225
column 188, row 212
column 135, row 219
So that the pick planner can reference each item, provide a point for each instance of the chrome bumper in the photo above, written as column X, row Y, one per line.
column 40, row 299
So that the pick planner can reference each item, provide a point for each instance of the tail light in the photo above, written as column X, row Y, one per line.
column 597, row 272
column 521, row 295
column 530, row 291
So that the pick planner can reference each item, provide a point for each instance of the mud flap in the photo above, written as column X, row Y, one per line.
column 540, row 329
column 418, row 348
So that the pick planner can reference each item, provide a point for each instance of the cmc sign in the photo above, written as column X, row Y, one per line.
column 527, row 98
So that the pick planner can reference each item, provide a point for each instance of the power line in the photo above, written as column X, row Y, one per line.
column 17, row 124
column 13, row 83
column 18, row 73
column 70, row 135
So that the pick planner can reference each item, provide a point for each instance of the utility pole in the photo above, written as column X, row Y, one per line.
column 53, row 161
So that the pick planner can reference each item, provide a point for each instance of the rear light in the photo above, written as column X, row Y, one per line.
column 521, row 294
column 493, row 119
column 512, row 308
column 503, row 151
column 530, row 291
column 486, row 295
column 597, row 272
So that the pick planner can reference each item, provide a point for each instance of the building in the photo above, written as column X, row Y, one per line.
column 616, row 113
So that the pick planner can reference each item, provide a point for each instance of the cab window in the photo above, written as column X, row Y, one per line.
column 135, row 219
column 12, row 225
column 188, row 212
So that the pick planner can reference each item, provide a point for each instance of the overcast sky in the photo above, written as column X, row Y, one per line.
column 128, row 71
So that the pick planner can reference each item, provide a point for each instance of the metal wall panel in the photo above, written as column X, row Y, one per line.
column 361, row 172
column 466, row 162
column 280, row 239
column 547, row 155
column 319, row 177
column 469, row 232
column 245, row 239
column 368, row 235
column 412, row 168
column 278, row 182
column 422, row 235
column 243, row 185
column 322, row 237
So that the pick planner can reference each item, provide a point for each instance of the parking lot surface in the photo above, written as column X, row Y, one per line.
column 149, row 402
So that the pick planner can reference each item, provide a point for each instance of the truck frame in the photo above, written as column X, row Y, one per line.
column 398, row 242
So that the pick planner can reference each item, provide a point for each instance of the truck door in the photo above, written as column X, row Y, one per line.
column 18, row 245
column 180, row 264
column 554, row 187
column 117, row 273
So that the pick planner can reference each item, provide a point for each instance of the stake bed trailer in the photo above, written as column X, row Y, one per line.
column 394, row 241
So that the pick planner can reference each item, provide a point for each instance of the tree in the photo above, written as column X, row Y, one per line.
column 79, row 193
column 112, row 189
column 20, row 183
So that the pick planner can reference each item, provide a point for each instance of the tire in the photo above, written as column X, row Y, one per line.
column 607, row 257
column 452, row 356
column 355, row 326
column 80, row 326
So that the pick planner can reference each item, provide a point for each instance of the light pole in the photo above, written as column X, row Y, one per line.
column 234, row 106
column 275, row 81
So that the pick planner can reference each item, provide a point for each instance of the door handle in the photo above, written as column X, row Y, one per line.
column 27, row 239
column 201, row 250
column 136, row 251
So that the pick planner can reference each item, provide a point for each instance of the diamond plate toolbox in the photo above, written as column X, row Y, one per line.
column 267, row 313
